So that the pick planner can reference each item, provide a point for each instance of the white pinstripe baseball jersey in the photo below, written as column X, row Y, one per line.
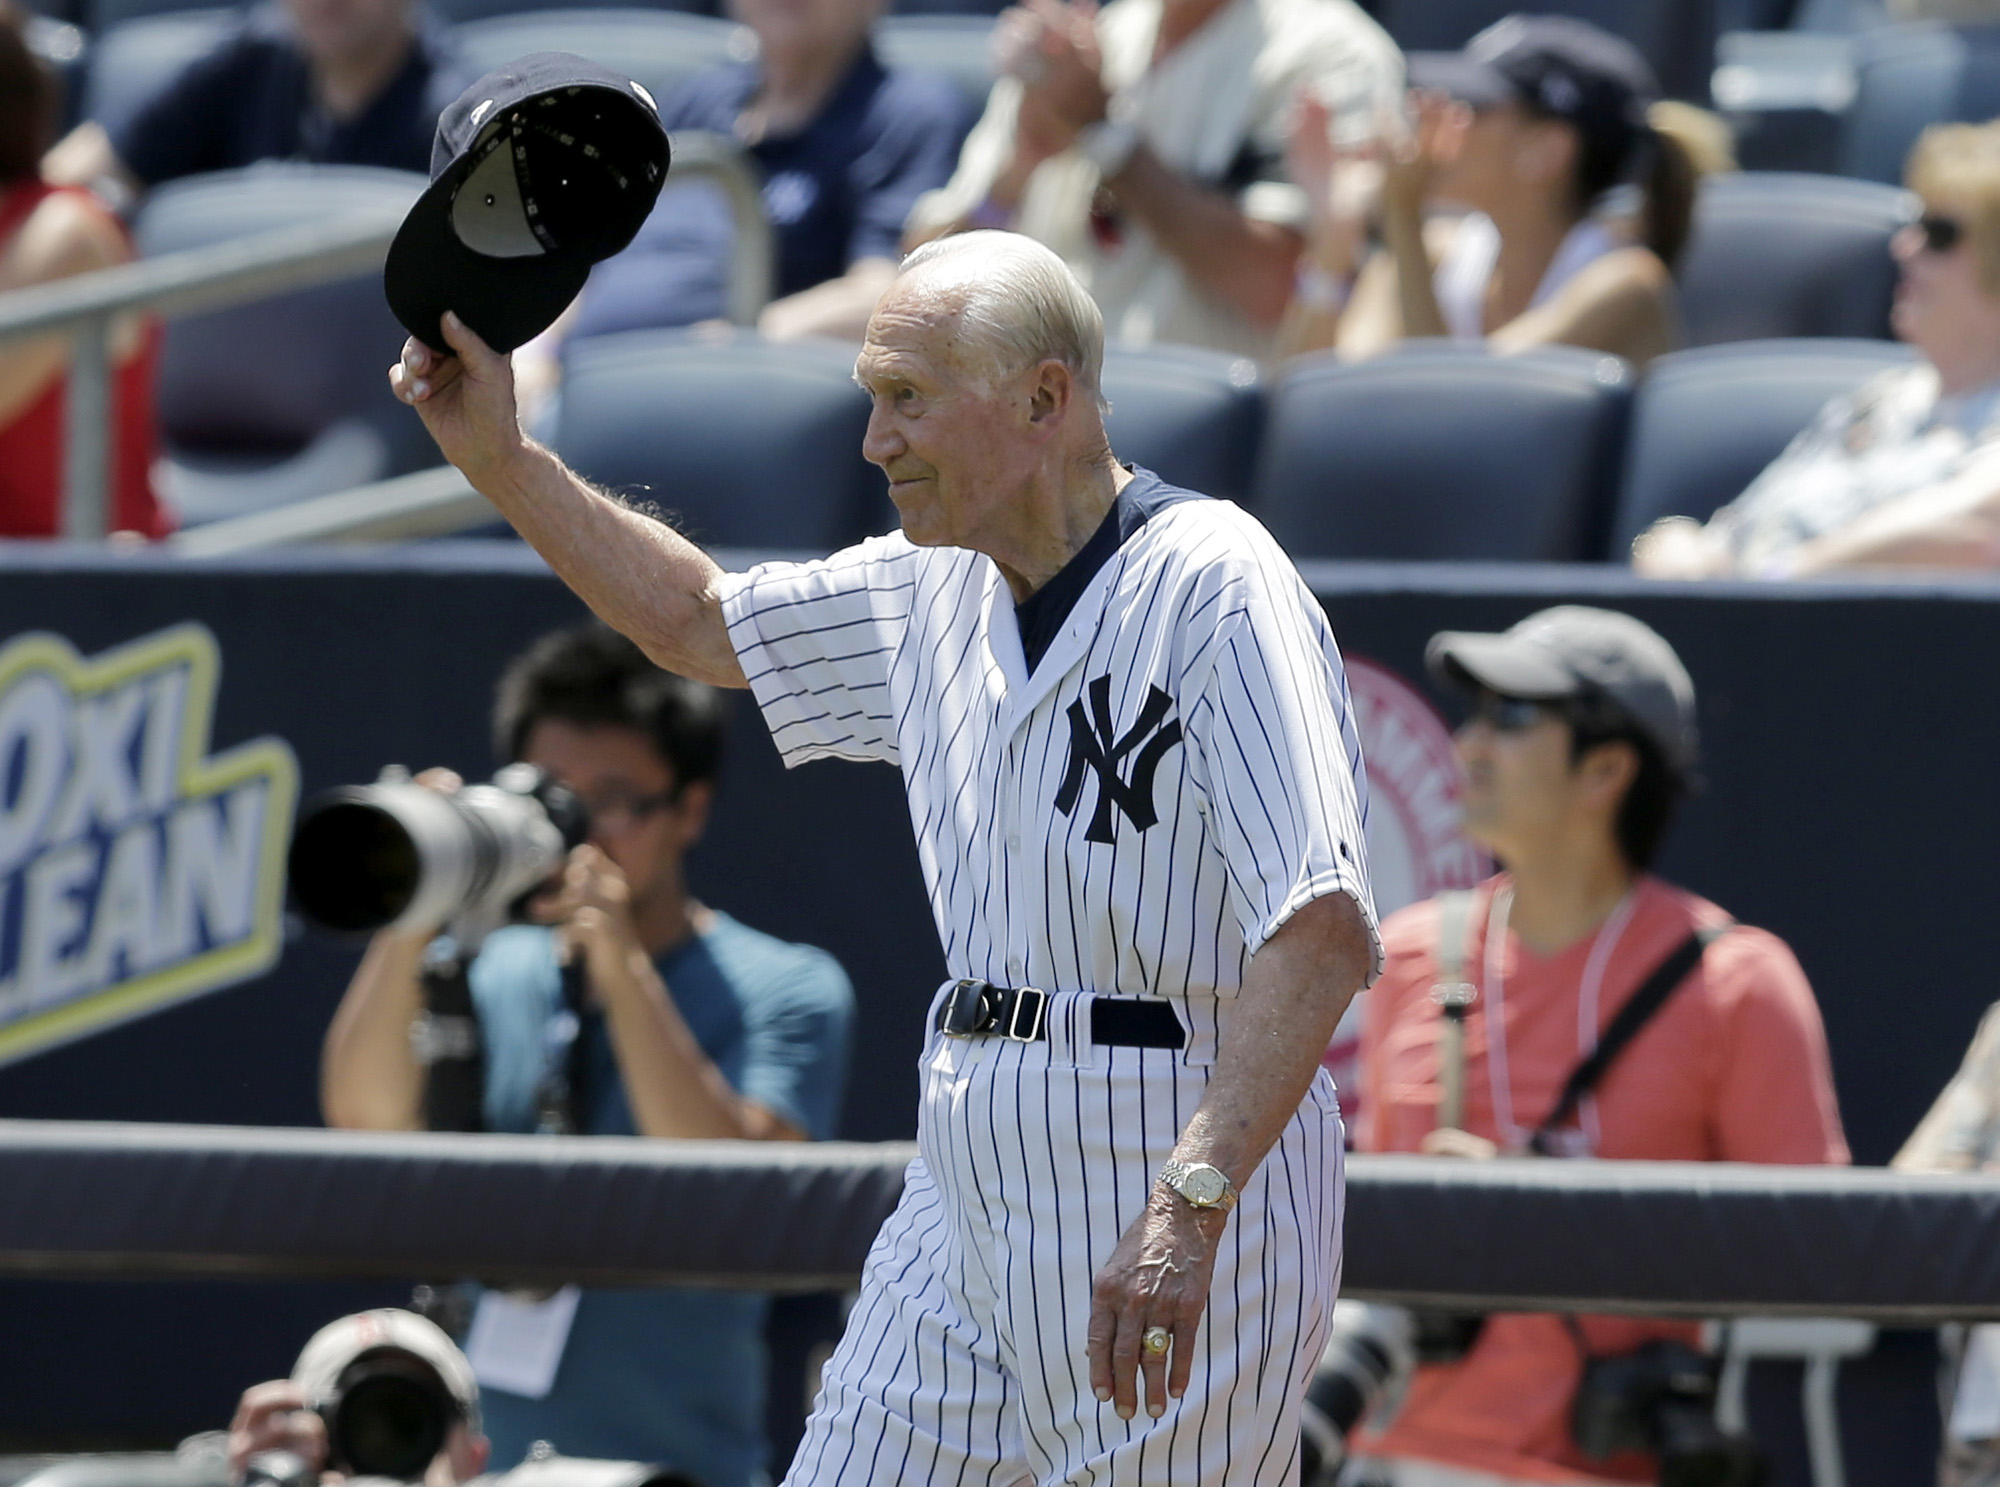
column 1175, row 777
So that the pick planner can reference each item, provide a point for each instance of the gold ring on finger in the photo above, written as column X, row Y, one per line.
column 1156, row 1340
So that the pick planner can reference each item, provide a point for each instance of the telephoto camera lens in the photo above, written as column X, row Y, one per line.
column 388, row 1417
column 365, row 857
column 1370, row 1354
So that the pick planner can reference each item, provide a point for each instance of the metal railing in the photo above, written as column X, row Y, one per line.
column 265, row 264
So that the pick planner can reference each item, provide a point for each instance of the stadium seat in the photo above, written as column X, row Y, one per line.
column 1678, row 39
column 1189, row 415
column 959, row 46
column 133, row 61
column 101, row 15
column 656, row 48
column 1909, row 77
column 1705, row 422
column 282, row 398
column 1776, row 255
column 748, row 442
column 1439, row 451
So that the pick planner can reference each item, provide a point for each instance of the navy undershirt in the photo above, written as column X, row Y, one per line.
column 1042, row 613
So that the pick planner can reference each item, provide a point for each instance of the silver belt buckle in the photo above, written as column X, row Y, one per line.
column 1035, row 1017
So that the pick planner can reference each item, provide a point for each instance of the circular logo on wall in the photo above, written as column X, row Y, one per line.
column 1416, row 847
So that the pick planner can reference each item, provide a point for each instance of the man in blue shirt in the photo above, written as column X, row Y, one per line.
column 338, row 82
column 845, row 148
column 695, row 1026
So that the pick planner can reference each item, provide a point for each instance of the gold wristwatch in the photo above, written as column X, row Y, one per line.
column 1202, row 1185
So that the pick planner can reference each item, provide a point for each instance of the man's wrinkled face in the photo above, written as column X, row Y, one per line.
column 951, row 438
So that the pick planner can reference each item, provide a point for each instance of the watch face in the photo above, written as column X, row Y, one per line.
column 1204, row 1186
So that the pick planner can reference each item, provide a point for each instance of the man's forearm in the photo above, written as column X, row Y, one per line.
column 1245, row 263
column 1296, row 989
column 370, row 1079
column 636, row 573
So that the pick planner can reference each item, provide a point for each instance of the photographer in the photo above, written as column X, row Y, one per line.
column 292, row 1415
column 1578, row 749
column 690, row 1025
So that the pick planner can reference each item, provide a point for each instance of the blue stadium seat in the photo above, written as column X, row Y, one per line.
column 748, row 443
column 132, row 62
column 1439, row 451
column 1705, row 422
column 1776, row 255
column 1677, row 38
column 960, row 46
column 1189, row 415
column 287, row 397
column 659, row 49
column 1909, row 77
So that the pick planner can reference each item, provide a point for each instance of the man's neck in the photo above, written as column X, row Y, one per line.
column 347, row 85
column 667, row 918
column 1564, row 894
column 795, row 86
column 1059, row 516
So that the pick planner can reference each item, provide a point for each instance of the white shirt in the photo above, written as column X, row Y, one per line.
column 1893, row 436
column 1466, row 268
column 1215, row 109
column 1246, row 765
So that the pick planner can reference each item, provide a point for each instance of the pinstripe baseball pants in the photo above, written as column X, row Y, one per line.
column 964, row 1359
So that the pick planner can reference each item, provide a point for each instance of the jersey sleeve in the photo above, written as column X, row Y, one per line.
column 815, row 641
column 1776, row 1101
column 1277, row 756
column 796, row 1065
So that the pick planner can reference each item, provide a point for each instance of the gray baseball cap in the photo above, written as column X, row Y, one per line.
column 1574, row 651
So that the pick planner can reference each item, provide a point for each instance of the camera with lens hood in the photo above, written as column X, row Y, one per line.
column 395, row 854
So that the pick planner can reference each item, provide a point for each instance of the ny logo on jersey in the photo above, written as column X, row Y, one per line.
column 1095, row 744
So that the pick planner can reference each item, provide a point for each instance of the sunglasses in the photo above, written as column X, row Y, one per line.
column 1510, row 714
column 1941, row 234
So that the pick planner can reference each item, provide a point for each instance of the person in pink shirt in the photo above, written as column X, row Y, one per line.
column 1579, row 747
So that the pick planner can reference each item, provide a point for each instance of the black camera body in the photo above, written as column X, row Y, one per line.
column 1661, row 1398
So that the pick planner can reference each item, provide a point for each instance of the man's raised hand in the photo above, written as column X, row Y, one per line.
column 466, row 400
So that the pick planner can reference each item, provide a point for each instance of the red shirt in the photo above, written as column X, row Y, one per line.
column 1733, row 1068
column 31, row 443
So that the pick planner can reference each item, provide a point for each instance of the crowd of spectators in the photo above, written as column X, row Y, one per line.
column 1249, row 176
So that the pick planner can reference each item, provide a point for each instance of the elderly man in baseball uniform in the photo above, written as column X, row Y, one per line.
column 1132, row 770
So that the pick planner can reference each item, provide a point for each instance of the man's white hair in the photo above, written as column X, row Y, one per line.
column 1018, row 303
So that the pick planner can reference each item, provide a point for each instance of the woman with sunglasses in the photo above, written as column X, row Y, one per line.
column 1904, row 472
column 1531, row 129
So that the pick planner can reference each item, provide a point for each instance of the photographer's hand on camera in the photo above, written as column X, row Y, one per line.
column 275, row 1417
column 591, row 907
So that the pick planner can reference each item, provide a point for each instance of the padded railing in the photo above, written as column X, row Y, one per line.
column 257, row 267
column 1659, row 1238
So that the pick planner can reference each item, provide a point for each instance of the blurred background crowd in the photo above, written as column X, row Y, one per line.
column 1435, row 282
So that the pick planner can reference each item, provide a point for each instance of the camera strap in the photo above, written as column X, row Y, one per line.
column 560, row 1097
column 1454, row 996
column 1632, row 1018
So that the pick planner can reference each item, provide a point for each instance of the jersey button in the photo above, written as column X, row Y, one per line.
column 1013, row 841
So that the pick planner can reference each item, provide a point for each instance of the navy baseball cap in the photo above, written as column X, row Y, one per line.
column 539, row 170
column 1556, row 65
column 1576, row 652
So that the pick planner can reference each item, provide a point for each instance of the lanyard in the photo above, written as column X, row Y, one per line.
column 1514, row 1137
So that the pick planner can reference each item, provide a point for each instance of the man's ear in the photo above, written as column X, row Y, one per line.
column 1609, row 770
column 1049, row 395
column 693, row 805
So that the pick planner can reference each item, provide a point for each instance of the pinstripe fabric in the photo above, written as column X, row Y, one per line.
column 964, row 1360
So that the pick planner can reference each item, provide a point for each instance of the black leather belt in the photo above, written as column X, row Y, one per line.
column 979, row 1009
